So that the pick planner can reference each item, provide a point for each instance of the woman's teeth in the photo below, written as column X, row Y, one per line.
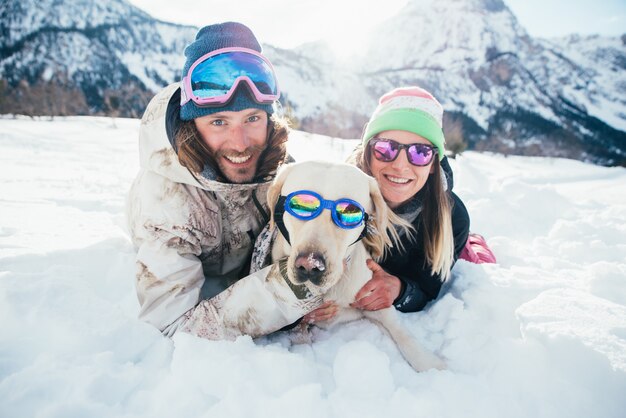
column 397, row 180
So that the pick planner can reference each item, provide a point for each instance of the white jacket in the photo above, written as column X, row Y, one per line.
column 194, row 238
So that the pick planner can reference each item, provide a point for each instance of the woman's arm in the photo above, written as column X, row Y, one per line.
column 417, row 285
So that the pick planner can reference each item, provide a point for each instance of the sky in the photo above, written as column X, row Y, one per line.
column 540, row 334
column 288, row 23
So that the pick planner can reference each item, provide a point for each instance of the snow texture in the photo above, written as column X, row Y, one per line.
column 541, row 334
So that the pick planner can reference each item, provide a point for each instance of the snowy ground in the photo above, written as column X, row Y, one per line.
column 541, row 334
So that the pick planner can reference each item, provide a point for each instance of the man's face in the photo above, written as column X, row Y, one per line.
column 236, row 140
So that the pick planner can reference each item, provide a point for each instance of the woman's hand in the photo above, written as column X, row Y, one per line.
column 324, row 313
column 379, row 292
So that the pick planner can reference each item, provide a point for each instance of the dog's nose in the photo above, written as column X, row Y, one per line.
column 310, row 266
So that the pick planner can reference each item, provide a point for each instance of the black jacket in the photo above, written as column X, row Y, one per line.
column 419, row 286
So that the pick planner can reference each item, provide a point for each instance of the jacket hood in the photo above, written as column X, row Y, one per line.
column 157, row 153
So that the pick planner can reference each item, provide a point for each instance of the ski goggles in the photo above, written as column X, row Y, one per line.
column 214, row 77
column 387, row 150
column 307, row 205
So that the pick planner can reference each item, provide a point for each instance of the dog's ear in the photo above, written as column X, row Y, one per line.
column 377, row 238
column 273, row 193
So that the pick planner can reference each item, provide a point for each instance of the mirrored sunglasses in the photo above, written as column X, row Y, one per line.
column 387, row 150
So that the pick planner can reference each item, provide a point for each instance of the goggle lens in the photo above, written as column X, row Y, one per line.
column 348, row 214
column 218, row 74
column 303, row 205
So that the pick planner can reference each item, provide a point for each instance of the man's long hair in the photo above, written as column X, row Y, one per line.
column 194, row 154
column 436, row 216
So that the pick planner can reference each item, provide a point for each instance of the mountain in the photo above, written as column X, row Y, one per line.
column 502, row 89
column 85, row 56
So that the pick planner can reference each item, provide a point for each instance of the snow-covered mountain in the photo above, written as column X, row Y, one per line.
column 85, row 56
column 502, row 89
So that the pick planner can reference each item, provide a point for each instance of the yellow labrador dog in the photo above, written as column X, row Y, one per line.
column 332, row 218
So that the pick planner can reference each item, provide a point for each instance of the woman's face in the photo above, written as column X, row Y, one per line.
column 400, row 180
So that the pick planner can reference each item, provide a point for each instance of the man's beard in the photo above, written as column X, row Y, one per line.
column 239, row 175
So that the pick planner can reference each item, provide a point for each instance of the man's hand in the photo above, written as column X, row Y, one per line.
column 325, row 312
column 379, row 292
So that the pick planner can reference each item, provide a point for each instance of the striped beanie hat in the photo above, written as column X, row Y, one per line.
column 411, row 109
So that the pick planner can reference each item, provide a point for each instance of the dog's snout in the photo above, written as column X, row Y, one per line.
column 310, row 266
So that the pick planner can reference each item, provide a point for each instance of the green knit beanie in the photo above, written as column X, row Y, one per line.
column 410, row 109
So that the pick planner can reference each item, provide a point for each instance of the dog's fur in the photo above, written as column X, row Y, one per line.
column 343, row 262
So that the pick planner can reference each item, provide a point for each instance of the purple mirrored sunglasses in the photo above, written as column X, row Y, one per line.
column 387, row 150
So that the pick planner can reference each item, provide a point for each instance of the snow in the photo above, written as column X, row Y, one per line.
column 145, row 66
column 595, row 84
column 541, row 334
column 75, row 14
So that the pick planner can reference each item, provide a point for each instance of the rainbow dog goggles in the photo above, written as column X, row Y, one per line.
column 307, row 205
column 214, row 77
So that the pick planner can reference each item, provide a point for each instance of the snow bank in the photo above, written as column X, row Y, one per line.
column 541, row 334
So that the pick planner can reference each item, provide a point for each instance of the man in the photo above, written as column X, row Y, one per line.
column 209, row 147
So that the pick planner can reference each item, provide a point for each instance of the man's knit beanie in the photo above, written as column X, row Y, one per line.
column 211, row 38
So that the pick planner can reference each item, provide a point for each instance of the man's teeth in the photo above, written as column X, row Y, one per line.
column 397, row 180
column 238, row 160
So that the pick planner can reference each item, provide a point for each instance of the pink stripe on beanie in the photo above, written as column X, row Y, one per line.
column 411, row 98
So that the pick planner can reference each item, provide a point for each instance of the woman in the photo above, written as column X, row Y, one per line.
column 403, row 148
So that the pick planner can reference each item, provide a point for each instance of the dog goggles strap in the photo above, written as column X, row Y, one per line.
column 279, row 211
column 259, row 207
column 364, row 231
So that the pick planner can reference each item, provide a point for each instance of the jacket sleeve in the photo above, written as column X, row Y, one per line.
column 259, row 304
column 416, row 293
column 423, row 287
column 169, row 283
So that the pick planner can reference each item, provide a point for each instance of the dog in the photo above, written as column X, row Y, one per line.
column 333, row 258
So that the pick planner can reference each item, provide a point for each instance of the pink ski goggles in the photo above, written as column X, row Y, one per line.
column 214, row 77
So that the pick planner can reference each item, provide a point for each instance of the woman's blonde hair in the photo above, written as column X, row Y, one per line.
column 194, row 154
column 436, row 216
